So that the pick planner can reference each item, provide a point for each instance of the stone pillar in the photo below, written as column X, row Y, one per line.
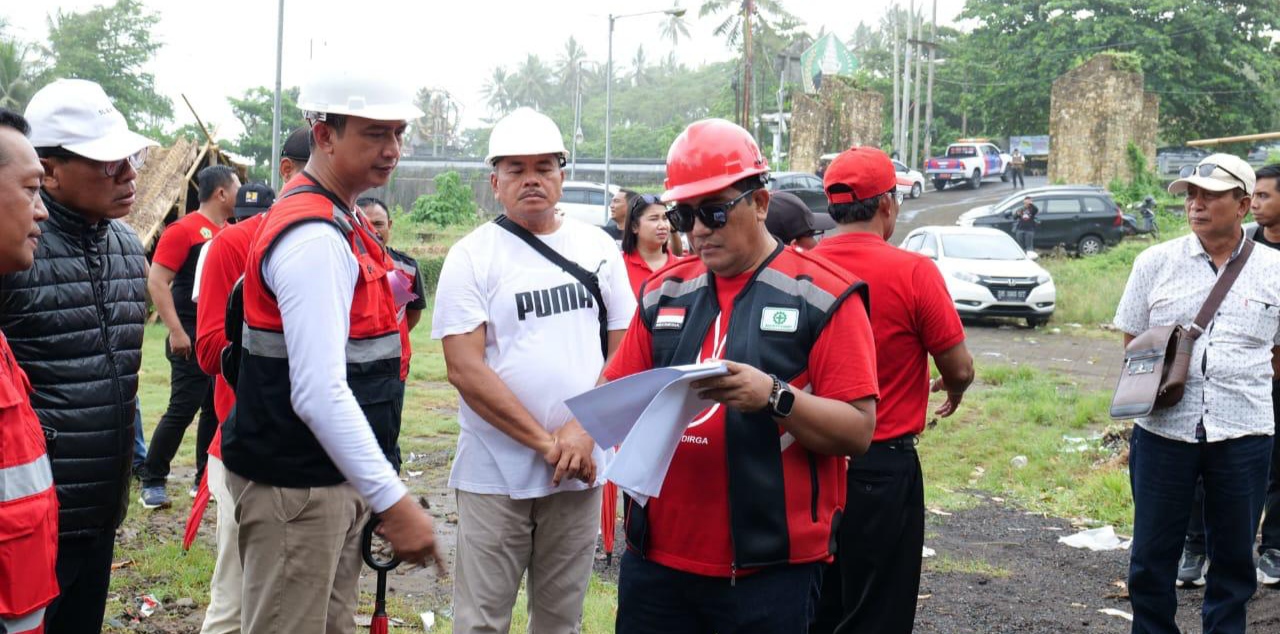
column 1096, row 110
column 838, row 117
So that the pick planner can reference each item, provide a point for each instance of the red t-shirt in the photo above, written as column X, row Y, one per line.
column 223, row 265
column 178, row 250
column 689, row 521
column 638, row 270
column 911, row 315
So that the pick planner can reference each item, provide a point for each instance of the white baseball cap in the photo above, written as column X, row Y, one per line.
column 1216, row 173
column 77, row 115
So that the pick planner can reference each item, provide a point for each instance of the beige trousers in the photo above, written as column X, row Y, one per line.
column 300, row 549
column 499, row 539
column 223, row 614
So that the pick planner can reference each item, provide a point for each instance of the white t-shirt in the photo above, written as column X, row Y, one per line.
column 541, row 338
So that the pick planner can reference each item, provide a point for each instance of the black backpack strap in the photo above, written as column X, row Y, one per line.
column 588, row 279
column 234, row 330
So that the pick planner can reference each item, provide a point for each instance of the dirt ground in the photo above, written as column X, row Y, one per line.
column 1033, row 584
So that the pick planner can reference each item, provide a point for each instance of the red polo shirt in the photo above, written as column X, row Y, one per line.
column 638, row 270
column 223, row 265
column 911, row 315
column 689, row 521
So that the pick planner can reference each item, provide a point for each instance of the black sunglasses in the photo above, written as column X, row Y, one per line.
column 644, row 200
column 1205, row 170
column 713, row 215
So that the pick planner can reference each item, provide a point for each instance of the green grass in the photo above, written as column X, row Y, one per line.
column 1089, row 288
column 944, row 564
column 1026, row 412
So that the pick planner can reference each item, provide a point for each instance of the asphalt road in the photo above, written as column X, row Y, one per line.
column 944, row 207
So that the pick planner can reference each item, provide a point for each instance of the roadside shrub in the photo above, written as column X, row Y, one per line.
column 1142, row 181
column 451, row 204
column 429, row 269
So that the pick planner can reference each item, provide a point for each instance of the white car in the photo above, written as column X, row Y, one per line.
column 910, row 182
column 987, row 273
column 586, row 201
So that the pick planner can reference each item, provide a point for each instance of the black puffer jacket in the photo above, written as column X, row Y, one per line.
column 75, row 323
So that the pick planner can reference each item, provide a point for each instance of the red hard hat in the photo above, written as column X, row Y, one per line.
column 709, row 156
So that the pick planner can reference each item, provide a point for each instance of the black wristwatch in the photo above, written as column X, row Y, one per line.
column 782, row 400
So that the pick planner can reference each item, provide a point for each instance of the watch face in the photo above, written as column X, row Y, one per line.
column 786, row 401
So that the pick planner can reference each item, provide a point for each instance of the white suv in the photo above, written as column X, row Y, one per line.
column 586, row 202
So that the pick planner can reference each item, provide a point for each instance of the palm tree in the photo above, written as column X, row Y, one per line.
column 674, row 27
column 639, row 74
column 567, row 65
column 771, row 25
column 497, row 92
column 532, row 83
column 15, row 80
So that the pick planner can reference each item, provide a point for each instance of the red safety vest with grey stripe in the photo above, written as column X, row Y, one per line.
column 263, row 439
column 28, row 506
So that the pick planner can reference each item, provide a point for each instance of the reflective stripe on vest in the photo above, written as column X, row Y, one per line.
column 25, row 480
column 27, row 623
column 265, row 343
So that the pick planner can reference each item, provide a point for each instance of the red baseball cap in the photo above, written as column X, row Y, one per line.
column 866, row 170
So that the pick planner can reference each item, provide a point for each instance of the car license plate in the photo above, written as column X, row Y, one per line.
column 1010, row 295
column 944, row 176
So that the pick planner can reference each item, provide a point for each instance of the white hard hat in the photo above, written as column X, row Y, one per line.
column 525, row 132
column 362, row 92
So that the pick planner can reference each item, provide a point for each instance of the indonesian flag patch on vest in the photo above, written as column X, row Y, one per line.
column 669, row 319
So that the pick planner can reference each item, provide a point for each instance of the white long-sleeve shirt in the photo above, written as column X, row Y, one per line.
column 313, row 275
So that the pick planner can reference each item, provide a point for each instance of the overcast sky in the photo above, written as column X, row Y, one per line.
column 215, row 49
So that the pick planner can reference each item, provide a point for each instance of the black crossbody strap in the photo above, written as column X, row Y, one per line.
column 588, row 279
column 1220, row 289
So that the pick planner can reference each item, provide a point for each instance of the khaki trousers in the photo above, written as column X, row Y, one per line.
column 300, row 549
column 499, row 539
column 223, row 613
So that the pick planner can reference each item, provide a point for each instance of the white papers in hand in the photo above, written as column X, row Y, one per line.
column 647, row 413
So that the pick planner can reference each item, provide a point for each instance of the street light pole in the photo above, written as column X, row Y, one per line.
column 577, row 121
column 608, row 95
column 275, row 115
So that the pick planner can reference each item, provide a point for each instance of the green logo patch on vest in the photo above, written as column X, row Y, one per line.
column 776, row 319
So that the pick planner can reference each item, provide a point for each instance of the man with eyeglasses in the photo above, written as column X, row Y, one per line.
column 1221, row 431
column 872, row 586
column 75, row 322
column 737, row 540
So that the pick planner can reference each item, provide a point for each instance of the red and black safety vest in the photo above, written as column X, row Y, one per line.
column 264, row 440
column 785, row 502
column 28, row 506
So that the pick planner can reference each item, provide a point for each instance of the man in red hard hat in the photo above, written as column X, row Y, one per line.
column 738, row 537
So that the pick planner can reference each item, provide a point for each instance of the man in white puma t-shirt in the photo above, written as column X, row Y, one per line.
column 521, row 335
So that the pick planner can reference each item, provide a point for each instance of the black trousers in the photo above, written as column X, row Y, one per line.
column 1015, row 175
column 1270, row 527
column 84, row 575
column 873, row 584
column 190, row 389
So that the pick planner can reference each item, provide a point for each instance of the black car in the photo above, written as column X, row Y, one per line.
column 804, row 185
column 1081, row 219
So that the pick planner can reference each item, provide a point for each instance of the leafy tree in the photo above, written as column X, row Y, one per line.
column 452, row 203
column 639, row 71
column 254, row 110
column 111, row 44
column 1214, row 63
column 16, row 83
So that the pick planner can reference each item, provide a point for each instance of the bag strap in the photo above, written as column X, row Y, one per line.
column 1219, row 292
column 588, row 279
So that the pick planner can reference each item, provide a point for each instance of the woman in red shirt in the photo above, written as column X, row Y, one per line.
column 644, row 239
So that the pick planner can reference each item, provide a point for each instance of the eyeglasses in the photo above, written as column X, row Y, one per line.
column 110, row 169
column 713, row 215
column 1205, row 170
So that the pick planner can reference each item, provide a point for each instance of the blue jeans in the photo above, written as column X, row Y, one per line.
column 1163, row 474
column 655, row 599
column 139, row 443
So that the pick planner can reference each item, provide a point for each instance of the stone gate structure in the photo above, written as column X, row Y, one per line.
column 1096, row 110
column 838, row 117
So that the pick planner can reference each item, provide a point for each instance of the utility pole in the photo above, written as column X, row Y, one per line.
column 903, row 152
column 918, row 19
column 897, row 95
column 275, row 107
column 928, row 111
column 748, row 76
